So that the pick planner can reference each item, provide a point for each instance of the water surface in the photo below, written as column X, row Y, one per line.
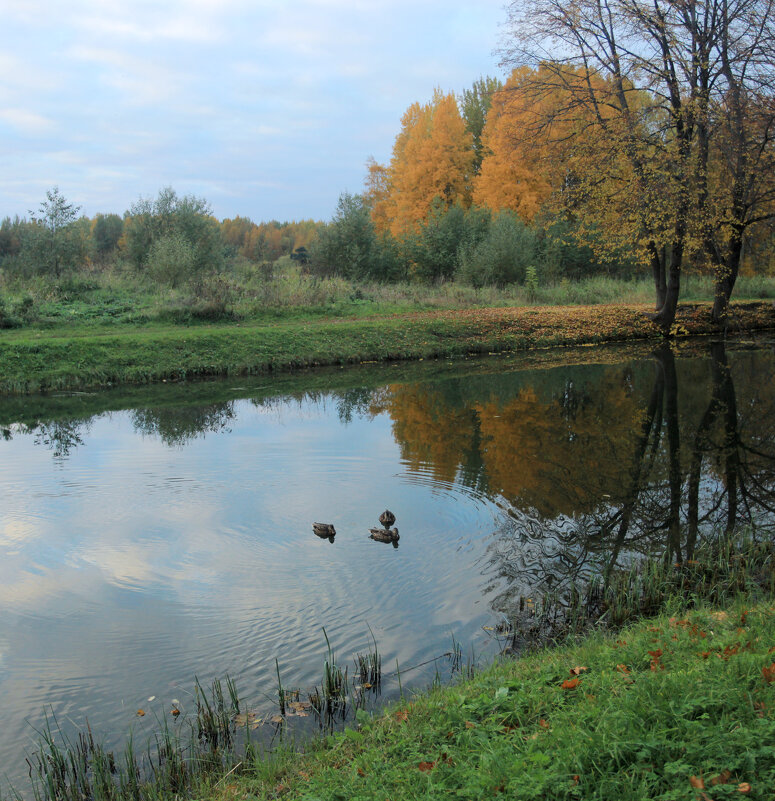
column 150, row 536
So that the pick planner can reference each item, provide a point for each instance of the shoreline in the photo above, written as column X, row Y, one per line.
column 44, row 360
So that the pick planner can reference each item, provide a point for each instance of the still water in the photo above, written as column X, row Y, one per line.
column 149, row 536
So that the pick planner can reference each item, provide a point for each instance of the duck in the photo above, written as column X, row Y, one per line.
column 384, row 534
column 324, row 529
column 387, row 518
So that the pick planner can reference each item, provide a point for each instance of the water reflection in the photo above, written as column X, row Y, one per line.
column 685, row 471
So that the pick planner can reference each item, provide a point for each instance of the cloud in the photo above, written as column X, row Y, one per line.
column 26, row 121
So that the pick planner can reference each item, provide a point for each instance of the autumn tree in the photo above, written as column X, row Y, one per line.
column 432, row 157
column 516, row 174
column 655, row 75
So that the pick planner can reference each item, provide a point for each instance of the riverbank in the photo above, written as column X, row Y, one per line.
column 681, row 706
column 66, row 358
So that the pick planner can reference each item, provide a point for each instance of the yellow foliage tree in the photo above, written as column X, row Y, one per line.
column 513, row 176
column 432, row 157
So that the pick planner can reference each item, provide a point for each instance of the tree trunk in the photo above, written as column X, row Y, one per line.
column 658, row 270
column 726, row 276
column 665, row 316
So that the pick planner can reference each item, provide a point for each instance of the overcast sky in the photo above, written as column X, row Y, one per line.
column 269, row 109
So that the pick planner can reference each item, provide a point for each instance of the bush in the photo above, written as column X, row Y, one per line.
column 446, row 232
column 349, row 246
column 171, row 259
column 186, row 218
column 502, row 256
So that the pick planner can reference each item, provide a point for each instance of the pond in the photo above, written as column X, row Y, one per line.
column 148, row 536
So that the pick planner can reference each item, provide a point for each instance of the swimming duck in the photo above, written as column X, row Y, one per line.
column 387, row 518
column 324, row 529
column 384, row 535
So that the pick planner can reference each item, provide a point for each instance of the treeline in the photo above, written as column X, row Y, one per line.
column 629, row 137
column 171, row 238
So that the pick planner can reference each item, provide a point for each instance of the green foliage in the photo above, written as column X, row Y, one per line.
column 10, row 237
column 569, row 252
column 502, row 256
column 445, row 232
column 170, row 259
column 174, row 219
column 531, row 282
column 349, row 245
column 474, row 104
column 106, row 233
column 58, row 243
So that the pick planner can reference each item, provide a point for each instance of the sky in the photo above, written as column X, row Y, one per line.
column 268, row 109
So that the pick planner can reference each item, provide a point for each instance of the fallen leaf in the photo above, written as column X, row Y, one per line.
column 622, row 668
column 768, row 673
column 361, row 772
column 743, row 617
column 402, row 715
column 656, row 654
column 570, row 684
column 140, row 713
column 576, row 779
column 470, row 725
column 426, row 767
column 543, row 724
column 277, row 719
column 575, row 671
column 743, row 787
column 697, row 782
column 722, row 778
column 175, row 712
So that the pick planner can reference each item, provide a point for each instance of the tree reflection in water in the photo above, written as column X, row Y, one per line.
column 685, row 483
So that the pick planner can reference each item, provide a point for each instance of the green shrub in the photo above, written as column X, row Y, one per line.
column 171, row 259
column 502, row 256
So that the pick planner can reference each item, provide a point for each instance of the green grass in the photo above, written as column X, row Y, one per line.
column 649, row 711
column 79, row 357
column 653, row 708
column 96, row 329
column 116, row 298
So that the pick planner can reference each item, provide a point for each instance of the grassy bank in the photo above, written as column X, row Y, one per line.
column 679, row 707
column 76, row 358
